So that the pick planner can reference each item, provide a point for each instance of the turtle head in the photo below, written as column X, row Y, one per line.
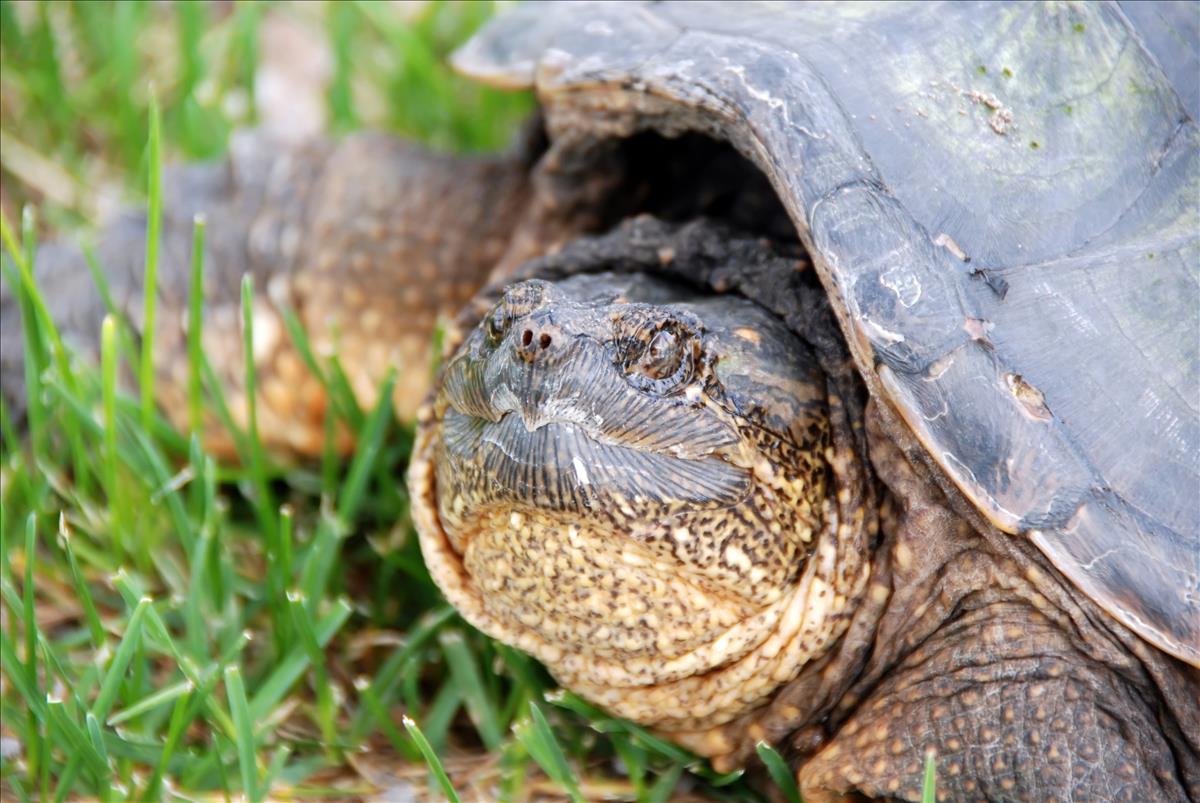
column 630, row 481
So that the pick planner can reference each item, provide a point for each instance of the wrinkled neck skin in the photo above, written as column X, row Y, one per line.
column 967, row 640
column 651, row 491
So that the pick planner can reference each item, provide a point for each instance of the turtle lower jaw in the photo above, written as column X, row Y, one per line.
column 548, row 529
column 528, row 577
column 594, row 591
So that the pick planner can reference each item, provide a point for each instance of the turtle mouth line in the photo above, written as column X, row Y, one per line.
column 558, row 464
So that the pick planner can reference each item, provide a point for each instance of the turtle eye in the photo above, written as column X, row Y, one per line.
column 664, row 363
column 662, row 356
column 498, row 322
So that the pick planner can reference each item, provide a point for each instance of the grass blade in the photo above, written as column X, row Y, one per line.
column 432, row 760
column 539, row 740
column 440, row 714
column 339, row 393
column 83, row 594
column 203, row 580
column 247, row 749
column 302, row 626
column 275, row 768
column 321, row 558
column 108, row 373
column 369, row 444
column 264, row 504
column 15, row 671
column 35, row 359
column 29, row 600
column 929, row 782
column 382, row 683
column 464, row 671
column 289, row 670
column 37, row 747
column 158, row 698
column 150, row 286
column 371, row 701
column 69, row 732
column 120, row 663
column 661, row 791
column 195, row 328
column 47, row 335
column 781, row 774
column 514, row 764
column 179, row 720
column 322, row 554
column 19, row 788
column 258, row 461
column 96, row 737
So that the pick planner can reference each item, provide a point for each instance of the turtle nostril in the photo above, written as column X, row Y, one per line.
column 533, row 341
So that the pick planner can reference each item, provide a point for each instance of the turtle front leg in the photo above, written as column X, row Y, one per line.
column 368, row 240
column 984, row 657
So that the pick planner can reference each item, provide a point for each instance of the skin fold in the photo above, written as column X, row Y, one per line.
column 603, row 496
column 633, row 484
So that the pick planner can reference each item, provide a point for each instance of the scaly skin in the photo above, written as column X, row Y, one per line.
column 642, row 496
column 854, row 635
column 967, row 643
column 361, row 238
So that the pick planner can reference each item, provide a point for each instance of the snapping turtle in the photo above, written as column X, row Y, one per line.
column 985, row 540
column 872, row 430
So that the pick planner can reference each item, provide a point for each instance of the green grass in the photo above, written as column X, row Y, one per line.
column 175, row 623
column 172, row 622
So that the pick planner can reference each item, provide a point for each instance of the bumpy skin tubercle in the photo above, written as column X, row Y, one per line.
column 640, row 485
column 360, row 238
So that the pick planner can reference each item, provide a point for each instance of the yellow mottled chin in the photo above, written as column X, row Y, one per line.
column 622, row 622
column 601, row 595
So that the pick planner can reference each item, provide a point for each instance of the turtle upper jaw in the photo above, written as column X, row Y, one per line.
column 562, row 467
